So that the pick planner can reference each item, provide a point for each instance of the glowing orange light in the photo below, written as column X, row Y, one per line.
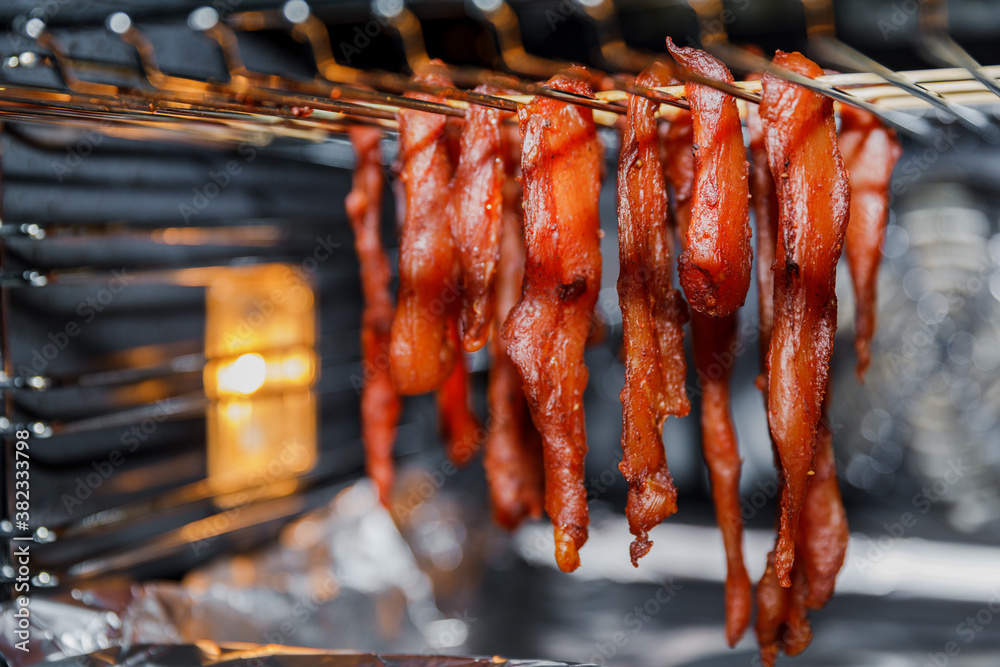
column 243, row 376
column 259, row 374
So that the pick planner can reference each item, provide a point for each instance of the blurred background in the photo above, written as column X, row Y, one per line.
column 169, row 504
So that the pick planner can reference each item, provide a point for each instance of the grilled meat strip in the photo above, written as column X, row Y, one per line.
column 717, row 258
column 513, row 457
column 546, row 331
column 476, row 220
column 380, row 405
column 653, row 317
column 870, row 151
column 422, row 353
column 813, row 200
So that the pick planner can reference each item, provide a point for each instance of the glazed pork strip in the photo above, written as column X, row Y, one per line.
column 513, row 456
column 380, row 405
column 717, row 258
column 546, row 331
column 460, row 429
column 764, row 198
column 870, row 151
column 813, row 200
column 718, row 229
column 653, row 317
column 422, row 352
column 477, row 217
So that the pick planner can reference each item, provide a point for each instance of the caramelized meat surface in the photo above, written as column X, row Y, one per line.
column 714, row 341
column 653, row 317
column 513, row 457
column 813, row 200
column 713, row 335
column 821, row 545
column 870, row 151
column 716, row 262
column 764, row 198
column 821, row 541
column 773, row 602
column 677, row 157
column 380, row 405
column 460, row 429
column 477, row 216
column 545, row 333
column 422, row 353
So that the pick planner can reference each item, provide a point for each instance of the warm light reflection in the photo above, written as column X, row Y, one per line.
column 243, row 376
column 259, row 375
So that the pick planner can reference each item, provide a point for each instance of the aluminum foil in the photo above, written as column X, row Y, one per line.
column 340, row 577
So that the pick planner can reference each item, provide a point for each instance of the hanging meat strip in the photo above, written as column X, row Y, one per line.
column 425, row 351
column 477, row 193
column 814, row 199
column 716, row 168
column 765, row 209
column 476, row 220
column 717, row 258
column 821, row 539
column 772, row 610
column 653, row 317
column 870, row 151
column 823, row 534
column 460, row 429
column 422, row 352
column 797, row 631
column 677, row 157
column 714, row 340
column 821, row 545
column 380, row 405
column 772, row 599
column 513, row 457
column 546, row 331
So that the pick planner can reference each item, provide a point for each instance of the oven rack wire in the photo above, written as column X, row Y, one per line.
column 251, row 104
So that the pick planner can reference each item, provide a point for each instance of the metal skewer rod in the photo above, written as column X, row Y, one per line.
column 934, row 31
column 916, row 128
column 825, row 44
